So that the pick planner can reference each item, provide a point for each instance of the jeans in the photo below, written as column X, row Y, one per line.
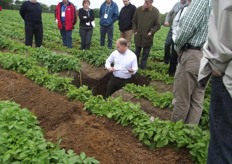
column 32, row 29
column 66, row 37
column 168, row 44
column 109, row 30
column 86, row 36
column 220, row 145
column 145, row 55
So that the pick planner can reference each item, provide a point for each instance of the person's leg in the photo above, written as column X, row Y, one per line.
column 63, row 35
column 146, row 52
column 137, row 53
column 167, row 46
column 128, row 36
column 111, row 86
column 82, row 33
column 38, row 35
column 88, row 38
column 69, row 38
column 110, row 34
column 182, row 90
column 173, row 62
column 220, row 145
column 122, row 34
column 102, row 35
column 28, row 33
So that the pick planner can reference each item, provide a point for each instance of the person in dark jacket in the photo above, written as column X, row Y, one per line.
column 146, row 23
column 125, row 21
column 66, row 18
column 31, row 12
column 86, row 16
column 108, row 15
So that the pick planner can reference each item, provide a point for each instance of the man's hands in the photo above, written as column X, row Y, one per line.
column 111, row 69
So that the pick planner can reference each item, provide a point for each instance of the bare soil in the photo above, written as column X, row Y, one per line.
column 84, row 132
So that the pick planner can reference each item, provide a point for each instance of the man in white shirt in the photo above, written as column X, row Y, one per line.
column 124, row 65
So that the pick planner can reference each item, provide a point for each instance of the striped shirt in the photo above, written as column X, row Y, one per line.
column 194, row 25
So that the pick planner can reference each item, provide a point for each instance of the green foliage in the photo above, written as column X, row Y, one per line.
column 22, row 140
column 161, row 100
column 155, row 133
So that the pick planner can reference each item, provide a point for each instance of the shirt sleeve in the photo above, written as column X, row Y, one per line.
column 135, row 65
column 189, row 23
column 109, row 61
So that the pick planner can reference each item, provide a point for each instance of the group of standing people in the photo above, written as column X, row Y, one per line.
column 201, row 50
column 142, row 22
column 201, row 37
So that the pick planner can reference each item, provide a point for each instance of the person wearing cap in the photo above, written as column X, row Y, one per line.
column 66, row 18
column 86, row 16
column 122, row 63
column 31, row 12
column 146, row 23
column 188, row 96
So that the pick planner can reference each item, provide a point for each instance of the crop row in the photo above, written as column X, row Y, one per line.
column 156, row 134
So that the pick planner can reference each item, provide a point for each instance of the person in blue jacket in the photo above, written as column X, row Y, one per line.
column 108, row 15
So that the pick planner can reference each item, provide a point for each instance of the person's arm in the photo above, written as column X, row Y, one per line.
column 75, row 15
column 156, row 23
column 134, row 21
column 134, row 67
column 190, row 23
column 169, row 15
column 108, row 63
column 115, row 13
column 91, row 16
column 22, row 10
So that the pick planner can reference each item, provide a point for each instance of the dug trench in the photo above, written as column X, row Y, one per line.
column 81, row 131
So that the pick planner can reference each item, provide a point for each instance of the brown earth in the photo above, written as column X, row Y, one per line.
column 81, row 131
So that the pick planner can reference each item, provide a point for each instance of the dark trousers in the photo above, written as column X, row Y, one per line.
column 220, row 144
column 36, row 30
column 145, row 55
column 86, row 36
column 115, row 84
column 66, row 37
column 109, row 30
column 173, row 62
column 167, row 47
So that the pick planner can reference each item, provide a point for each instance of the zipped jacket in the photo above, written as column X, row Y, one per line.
column 70, row 16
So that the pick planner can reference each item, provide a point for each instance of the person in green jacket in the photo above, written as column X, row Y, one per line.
column 146, row 23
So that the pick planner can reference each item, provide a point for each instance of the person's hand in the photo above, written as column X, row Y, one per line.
column 111, row 69
column 56, row 21
column 166, row 24
column 130, row 70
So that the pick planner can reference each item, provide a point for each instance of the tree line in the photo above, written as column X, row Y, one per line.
column 15, row 5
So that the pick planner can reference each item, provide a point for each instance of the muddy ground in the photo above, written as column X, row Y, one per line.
column 84, row 132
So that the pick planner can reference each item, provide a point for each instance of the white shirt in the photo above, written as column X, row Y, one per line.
column 175, row 24
column 122, row 62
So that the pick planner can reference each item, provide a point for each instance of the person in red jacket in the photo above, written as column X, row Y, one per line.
column 66, row 18
column 0, row 8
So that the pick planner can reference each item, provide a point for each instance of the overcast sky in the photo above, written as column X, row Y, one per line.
column 163, row 5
